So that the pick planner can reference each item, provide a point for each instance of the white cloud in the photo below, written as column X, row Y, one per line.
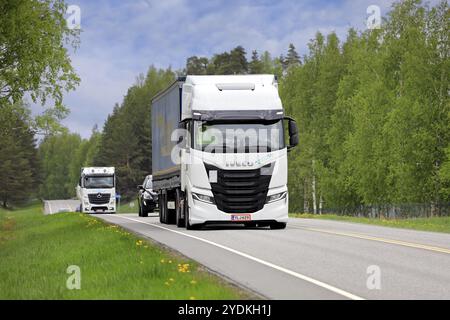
column 121, row 39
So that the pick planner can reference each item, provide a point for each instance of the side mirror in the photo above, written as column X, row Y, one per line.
column 293, row 133
column 182, row 139
column 183, row 123
column 140, row 187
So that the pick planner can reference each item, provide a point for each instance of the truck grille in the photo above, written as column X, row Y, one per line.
column 99, row 198
column 240, row 191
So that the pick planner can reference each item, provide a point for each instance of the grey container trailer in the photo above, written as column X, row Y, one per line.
column 166, row 115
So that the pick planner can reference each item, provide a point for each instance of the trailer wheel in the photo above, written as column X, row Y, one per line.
column 162, row 207
column 171, row 214
column 179, row 208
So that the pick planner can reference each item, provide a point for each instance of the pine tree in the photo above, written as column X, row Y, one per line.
column 238, row 60
column 18, row 156
column 255, row 66
column 196, row 65
column 292, row 58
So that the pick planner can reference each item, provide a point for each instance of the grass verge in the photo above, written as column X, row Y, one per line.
column 36, row 251
column 128, row 207
column 436, row 224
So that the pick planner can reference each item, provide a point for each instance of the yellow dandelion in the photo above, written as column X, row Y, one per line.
column 191, row 298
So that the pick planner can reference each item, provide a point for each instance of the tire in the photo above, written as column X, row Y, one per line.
column 179, row 208
column 171, row 214
column 144, row 213
column 278, row 225
column 162, row 207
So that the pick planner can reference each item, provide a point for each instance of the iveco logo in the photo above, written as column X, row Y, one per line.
column 236, row 163
column 99, row 195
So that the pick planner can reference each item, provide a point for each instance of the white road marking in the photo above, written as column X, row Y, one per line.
column 266, row 263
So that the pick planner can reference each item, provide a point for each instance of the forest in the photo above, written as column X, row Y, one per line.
column 373, row 112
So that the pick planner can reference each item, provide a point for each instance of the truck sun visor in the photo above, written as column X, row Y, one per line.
column 267, row 115
column 235, row 86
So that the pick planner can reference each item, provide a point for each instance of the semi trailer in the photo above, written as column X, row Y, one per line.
column 219, row 151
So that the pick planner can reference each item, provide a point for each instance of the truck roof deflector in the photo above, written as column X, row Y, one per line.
column 235, row 86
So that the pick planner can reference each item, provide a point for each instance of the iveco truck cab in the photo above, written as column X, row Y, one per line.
column 96, row 190
column 220, row 151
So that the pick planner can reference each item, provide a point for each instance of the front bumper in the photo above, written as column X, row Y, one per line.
column 202, row 212
column 99, row 209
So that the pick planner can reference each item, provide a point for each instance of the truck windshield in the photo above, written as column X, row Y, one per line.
column 226, row 137
column 95, row 182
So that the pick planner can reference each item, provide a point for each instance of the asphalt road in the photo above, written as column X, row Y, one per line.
column 55, row 206
column 311, row 259
column 314, row 259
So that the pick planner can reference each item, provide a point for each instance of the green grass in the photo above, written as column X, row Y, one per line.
column 128, row 207
column 436, row 224
column 36, row 250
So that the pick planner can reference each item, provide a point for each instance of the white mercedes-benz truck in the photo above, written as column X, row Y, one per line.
column 219, row 151
column 96, row 190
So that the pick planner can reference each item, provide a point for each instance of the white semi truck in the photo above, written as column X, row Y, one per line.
column 96, row 190
column 219, row 153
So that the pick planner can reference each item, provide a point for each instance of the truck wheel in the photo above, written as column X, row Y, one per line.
column 179, row 207
column 278, row 225
column 162, row 208
column 171, row 214
column 144, row 213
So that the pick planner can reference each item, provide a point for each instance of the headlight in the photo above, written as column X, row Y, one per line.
column 276, row 197
column 203, row 198
column 147, row 196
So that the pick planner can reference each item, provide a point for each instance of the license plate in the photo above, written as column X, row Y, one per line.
column 241, row 217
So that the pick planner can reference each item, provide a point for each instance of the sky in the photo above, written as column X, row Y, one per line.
column 120, row 39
